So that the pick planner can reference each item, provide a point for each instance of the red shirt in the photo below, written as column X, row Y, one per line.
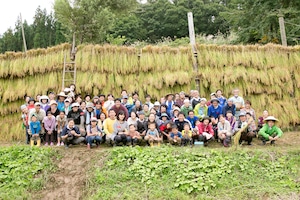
column 203, row 128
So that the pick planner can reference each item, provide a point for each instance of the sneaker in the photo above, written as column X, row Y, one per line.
column 264, row 142
column 66, row 146
column 58, row 144
column 62, row 144
column 88, row 146
column 51, row 144
column 46, row 144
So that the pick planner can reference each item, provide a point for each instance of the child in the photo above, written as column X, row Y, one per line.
column 175, row 136
column 61, row 122
column 135, row 136
column 187, row 135
column 49, row 125
column 35, row 129
column 152, row 134
column 270, row 132
column 94, row 133
column 24, row 116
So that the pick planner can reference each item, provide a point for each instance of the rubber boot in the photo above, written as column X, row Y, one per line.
column 158, row 144
column 31, row 142
column 151, row 144
column 38, row 142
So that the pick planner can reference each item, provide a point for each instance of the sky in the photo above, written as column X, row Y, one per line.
column 11, row 9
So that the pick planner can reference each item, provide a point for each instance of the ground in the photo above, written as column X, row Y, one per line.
column 73, row 168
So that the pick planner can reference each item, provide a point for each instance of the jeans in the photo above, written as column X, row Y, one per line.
column 91, row 139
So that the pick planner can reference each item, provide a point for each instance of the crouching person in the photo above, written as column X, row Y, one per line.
column 206, row 132
column 270, row 132
column 152, row 135
column 224, row 131
column 121, row 130
column 71, row 134
column 35, row 130
column 187, row 135
column 134, row 135
column 94, row 133
column 175, row 136
column 244, row 126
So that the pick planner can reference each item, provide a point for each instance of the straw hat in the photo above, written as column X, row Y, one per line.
column 271, row 118
column 62, row 94
column 52, row 102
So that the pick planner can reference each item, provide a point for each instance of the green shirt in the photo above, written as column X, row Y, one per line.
column 267, row 131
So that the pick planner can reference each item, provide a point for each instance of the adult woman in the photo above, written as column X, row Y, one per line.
column 261, row 120
column 93, row 133
column 206, row 132
column 153, row 119
column 61, row 100
column 201, row 109
column 249, row 109
column 137, row 107
column 132, row 119
column 53, row 108
column 99, row 110
column 224, row 131
column 121, row 130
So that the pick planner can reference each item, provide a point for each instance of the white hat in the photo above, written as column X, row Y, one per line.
column 203, row 99
column 271, row 118
column 94, row 119
column 52, row 102
column 89, row 105
column 62, row 94
column 44, row 97
column 75, row 105
column 186, row 101
column 156, row 103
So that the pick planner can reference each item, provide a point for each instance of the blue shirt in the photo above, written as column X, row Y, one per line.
column 214, row 112
column 35, row 127
column 222, row 101
column 193, row 121
column 60, row 105
column 226, row 108
column 178, row 134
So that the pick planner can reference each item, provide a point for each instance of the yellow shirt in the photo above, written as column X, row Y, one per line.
column 108, row 125
column 190, row 133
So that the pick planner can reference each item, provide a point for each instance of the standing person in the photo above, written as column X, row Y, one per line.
column 134, row 135
column 78, row 99
column 222, row 100
column 87, row 98
column 229, row 106
column 238, row 101
column 196, row 99
column 148, row 101
column 83, row 106
column 108, row 126
column 99, row 110
column 35, row 130
column 44, row 101
column 24, row 117
column 121, row 130
column 71, row 134
column 78, row 117
column 201, row 109
column 248, row 134
column 102, row 99
column 270, row 132
column 53, row 108
column 51, row 96
column 261, row 120
column 152, row 134
column 31, row 104
column 118, row 107
column 110, row 102
column 61, row 122
column 93, row 133
column 126, row 103
column 95, row 99
column 206, row 132
column 89, row 114
column 67, row 106
column 180, row 121
column 224, row 131
column 249, row 109
column 146, row 110
column 169, row 103
column 61, row 100
column 186, row 107
column 214, row 110
column 135, row 97
column 181, row 99
column 49, row 125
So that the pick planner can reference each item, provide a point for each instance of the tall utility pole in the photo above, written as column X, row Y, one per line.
column 23, row 34
column 194, row 49
column 282, row 30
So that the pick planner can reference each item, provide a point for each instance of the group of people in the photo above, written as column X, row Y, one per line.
column 179, row 119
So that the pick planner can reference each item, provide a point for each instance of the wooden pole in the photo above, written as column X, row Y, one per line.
column 23, row 35
column 282, row 30
column 194, row 49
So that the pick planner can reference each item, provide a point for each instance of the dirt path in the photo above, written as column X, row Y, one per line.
column 69, row 181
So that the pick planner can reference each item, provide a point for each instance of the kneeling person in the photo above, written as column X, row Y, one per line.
column 94, row 133
column 71, row 134
column 270, row 132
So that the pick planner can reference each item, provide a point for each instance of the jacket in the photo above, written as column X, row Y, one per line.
column 200, row 112
column 266, row 131
column 203, row 128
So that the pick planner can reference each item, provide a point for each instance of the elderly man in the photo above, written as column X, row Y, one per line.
column 247, row 134
column 78, row 117
column 71, row 134
column 238, row 101
column 38, row 112
column 229, row 106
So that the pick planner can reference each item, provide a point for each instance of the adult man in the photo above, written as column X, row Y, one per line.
column 222, row 99
column 78, row 117
column 126, row 103
column 118, row 107
column 71, row 134
column 108, row 125
column 229, row 106
column 180, row 121
column 238, row 101
column 192, row 118
column 248, row 134
column 196, row 99
column 270, row 132
column 38, row 112
column 169, row 103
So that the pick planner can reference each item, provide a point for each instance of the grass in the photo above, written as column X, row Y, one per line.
column 23, row 170
column 199, row 173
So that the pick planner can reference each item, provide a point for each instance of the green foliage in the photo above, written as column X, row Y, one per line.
column 20, row 168
column 195, row 174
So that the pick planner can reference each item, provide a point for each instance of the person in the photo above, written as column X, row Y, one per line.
column 148, row 102
column 229, row 106
column 169, row 103
column 44, row 101
column 224, row 131
column 132, row 119
column 87, row 98
column 206, row 132
column 137, row 107
column 180, row 121
column 51, row 96
column 38, row 112
column 78, row 98
column 196, row 99
column 67, row 106
column 175, row 113
column 249, row 109
column 261, row 120
column 146, row 110
column 163, row 109
column 221, row 98
column 186, row 107
column 238, row 101
column 187, row 135
column 31, row 104
column 134, row 135
column 231, row 119
column 246, row 135
column 135, row 96
column 102, row 99
column 95, row 99
column 175, row 136
column 181, row 99
column 214, row 110
column 101, row 123
column 83, row 106
column 192, row 118
column 35, row 130
column 49, row 125
column 93, row 133
column 152, row 134
column 89, row 114
column 201, row 109
column 252, row 124
column 109, row 103
column 25, row 124
column 61, row 100
column 53, row 108
column 99, row 110
column 120, row 134
column 71, row 134
column 142, row 124
column 108, row 126
column 118, row 107
column 156, row 106
column 78, row 116
column 61, row 122
column 270, row 132
column 126, row 103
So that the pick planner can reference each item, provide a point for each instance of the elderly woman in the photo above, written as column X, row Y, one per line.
column 270, row 132
column 200, row 109
column 249, row 109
